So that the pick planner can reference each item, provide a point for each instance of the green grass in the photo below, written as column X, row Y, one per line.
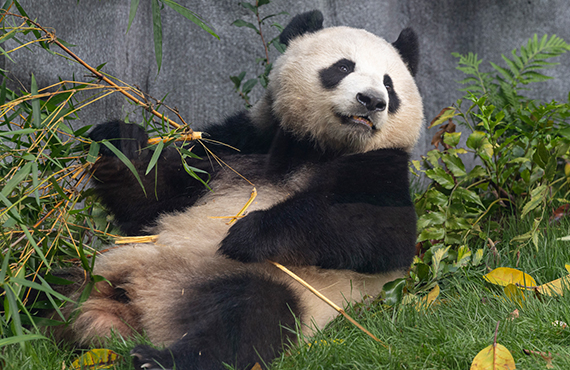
column 447, row 335
column 462, row 322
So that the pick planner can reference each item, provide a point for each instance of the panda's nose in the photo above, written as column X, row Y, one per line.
column 372, row 101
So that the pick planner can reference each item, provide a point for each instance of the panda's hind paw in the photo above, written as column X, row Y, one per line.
column 148, row 358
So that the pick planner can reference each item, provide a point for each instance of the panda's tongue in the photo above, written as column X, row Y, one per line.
column 362, row 120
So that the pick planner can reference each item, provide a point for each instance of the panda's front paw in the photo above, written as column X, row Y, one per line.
column 245, row 241
column 148, row 358
column 128, row 138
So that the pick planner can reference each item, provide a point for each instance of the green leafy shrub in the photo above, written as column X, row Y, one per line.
column 520, row 146
column 243, row 88
column 49, row 217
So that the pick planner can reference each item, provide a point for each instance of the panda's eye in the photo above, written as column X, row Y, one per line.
column 388, row 84
column 343, row 68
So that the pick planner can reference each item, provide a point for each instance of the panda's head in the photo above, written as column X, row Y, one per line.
column 346, row 89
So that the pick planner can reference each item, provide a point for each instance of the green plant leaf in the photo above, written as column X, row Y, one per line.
column 394, row 291
column 430, row 219
column 466, row 195
column 439, row 175
column 454, row 165
column 249, row 85
column 436, row 198
column 193, row 17
column 452, row 138
column 432, row 233
column 537, row 196
column 242, row 23
column 20, row 339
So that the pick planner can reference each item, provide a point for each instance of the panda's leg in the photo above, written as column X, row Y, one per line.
column 239, row 318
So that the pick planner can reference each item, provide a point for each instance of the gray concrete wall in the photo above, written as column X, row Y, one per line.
column 196, row 67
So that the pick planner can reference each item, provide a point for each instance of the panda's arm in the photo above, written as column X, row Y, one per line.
column 240, row 132
column 357, row 215
column 167, row 187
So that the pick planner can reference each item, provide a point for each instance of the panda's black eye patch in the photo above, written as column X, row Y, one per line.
column 394, row 101
column 331, row 76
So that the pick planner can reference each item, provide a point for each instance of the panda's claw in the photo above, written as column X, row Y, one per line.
column 148, row 358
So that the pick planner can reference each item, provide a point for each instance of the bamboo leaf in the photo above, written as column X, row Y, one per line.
column 155, row 156
column 36, row 108
column 35, row 182
column 13, row 309
column 125, row 160
column 157, row 31
column 33, row 243
column 18, row 177
column 93, row 152
column 132, row 12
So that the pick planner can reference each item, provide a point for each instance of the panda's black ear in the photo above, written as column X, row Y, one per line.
column 300, row 24
column 408, row 47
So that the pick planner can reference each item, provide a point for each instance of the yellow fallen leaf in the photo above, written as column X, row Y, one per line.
column 98, row 358
column 515, row 294
column 567, row 266
column 555, row 287
column 494, row 357
column 426, row 301
column 504, row 276
column 257, row 366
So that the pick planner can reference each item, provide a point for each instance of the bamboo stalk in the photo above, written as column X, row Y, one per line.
column 53, row 39
column 326, row 300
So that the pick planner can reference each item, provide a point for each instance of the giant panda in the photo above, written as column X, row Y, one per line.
column 327, row 149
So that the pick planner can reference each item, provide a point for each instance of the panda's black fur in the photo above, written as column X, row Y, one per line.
column 327, row 149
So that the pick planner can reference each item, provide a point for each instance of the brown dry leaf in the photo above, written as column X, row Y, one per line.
column 98, row 358
column 514, row 315
column 546, row 356
column 504, row 276
column 257, row 366
column 494, row 357
column 438, row 137
column 445, row 114
column 559, row 213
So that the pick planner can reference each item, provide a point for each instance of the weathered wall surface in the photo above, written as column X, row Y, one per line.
column 196, row 67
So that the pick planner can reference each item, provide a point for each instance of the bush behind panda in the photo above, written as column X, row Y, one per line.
column 326, row 147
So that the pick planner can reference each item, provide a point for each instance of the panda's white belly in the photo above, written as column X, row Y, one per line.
column 186, row 250
column 200, row 229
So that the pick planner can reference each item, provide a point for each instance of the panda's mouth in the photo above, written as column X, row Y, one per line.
column 363, row 121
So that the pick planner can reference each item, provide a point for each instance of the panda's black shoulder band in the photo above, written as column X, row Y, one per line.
column 300, row 24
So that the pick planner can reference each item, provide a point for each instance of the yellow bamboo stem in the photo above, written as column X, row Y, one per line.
column 326, row 300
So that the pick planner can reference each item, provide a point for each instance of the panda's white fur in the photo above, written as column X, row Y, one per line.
column 150, row 282
column 303, row 108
